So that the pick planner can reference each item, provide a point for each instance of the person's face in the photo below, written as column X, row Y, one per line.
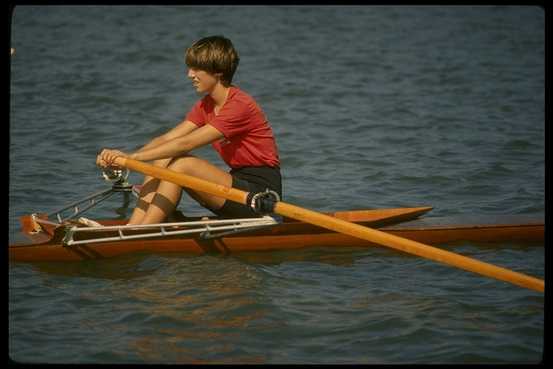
column 202, row 80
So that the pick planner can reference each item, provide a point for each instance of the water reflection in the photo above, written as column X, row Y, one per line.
column 194, row 311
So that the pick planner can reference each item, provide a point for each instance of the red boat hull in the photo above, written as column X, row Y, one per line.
column 290, row 235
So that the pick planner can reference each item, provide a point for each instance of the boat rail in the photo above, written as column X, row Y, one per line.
column 207, row 229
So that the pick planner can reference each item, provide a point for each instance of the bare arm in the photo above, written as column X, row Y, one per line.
column 106, row 157
column 184, row 128
column 176, row 145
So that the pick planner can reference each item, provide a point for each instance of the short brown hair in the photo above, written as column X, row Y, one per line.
column 214, row 54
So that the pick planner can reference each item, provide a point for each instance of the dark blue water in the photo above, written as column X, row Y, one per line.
column 372, row 107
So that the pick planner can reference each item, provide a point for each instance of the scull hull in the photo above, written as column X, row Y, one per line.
column 291, row 235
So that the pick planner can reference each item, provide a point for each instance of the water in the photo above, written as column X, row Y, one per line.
column 371, row 106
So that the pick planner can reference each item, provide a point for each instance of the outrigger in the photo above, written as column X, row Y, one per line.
column 57, row 237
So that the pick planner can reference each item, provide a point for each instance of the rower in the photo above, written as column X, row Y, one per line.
column 227, row 118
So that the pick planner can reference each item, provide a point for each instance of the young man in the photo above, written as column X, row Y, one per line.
column 225, row 117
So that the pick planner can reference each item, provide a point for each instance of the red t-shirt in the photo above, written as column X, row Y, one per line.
column 248, row 140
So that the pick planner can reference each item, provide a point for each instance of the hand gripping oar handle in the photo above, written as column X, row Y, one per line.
column 341, row 226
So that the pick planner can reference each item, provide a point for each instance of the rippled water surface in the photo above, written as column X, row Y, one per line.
column 371, row 106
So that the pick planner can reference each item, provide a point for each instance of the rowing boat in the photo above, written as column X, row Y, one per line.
column 48, row 240
column 198, row 235
column 57, row 237
column 280, row 225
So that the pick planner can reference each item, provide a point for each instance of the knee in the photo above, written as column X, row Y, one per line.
column 164, row 163
column 184, row 164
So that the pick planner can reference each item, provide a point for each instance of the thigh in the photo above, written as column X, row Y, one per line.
column 202, row 169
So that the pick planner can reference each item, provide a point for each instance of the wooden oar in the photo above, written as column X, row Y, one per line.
column 341, row 226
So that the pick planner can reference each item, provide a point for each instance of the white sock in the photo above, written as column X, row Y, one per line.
column 89, row 222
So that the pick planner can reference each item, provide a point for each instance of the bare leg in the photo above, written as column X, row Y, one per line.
column 168, row 194
column 147, row 193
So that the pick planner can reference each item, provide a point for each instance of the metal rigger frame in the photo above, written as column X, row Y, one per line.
column 120, row 185
column 207, row 229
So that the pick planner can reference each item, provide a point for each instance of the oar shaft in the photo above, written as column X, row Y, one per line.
column 409, row 246
column 184, row 180
column 341, row 226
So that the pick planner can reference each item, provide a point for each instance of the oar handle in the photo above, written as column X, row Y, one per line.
column 341, row 226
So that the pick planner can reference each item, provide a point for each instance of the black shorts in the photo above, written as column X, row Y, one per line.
column 250, row 179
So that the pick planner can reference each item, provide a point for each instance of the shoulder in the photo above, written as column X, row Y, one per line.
column 242, row 101
column 236, row 93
